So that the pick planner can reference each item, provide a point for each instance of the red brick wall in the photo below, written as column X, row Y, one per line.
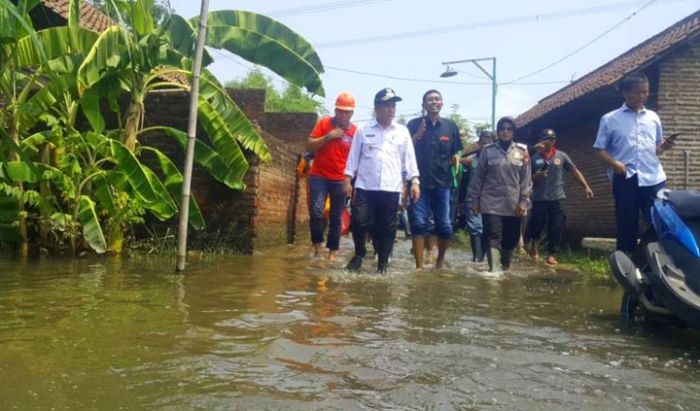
column 261, row 215
column 679, row 108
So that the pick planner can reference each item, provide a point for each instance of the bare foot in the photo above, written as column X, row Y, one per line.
column 317, row 251
column 551, row 260
column 332, row 255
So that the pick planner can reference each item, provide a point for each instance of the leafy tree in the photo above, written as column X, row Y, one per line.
column 469, row 131
column 76, row 181
column 291, row 100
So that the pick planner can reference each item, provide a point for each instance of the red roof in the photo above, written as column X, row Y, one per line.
column 90, row 17
column 608, row 74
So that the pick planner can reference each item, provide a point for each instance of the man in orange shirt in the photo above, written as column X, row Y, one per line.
column 330, row 140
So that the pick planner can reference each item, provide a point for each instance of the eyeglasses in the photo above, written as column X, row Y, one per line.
column 505, row 129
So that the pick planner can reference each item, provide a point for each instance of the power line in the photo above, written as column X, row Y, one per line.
column 596, row 38
column 318, row 8
column 485, row 24
column 435, row 81
column 415, row 80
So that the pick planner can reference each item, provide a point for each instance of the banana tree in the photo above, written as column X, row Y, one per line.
column 68, row 69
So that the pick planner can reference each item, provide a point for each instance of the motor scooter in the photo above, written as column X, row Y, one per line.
column 662, row 277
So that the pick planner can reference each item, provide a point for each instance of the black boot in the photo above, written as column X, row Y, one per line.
column 506, row 257
column 387, row 245
column 477, row 250
column 355, row 263
column 493, row 256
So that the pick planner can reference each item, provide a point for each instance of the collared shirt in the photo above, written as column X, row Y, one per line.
column 434, row 151
column 631, row 138
column 329, row 160
column 501, row 181
column 551, row 186
column 380, row 157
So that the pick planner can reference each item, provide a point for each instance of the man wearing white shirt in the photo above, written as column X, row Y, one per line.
column 380, row 156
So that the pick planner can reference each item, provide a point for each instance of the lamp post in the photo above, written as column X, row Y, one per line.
column 449, row 72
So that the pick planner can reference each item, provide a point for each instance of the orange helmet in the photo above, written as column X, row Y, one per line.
column 345, row 101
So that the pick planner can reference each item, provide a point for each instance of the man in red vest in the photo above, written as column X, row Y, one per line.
column 330, row 140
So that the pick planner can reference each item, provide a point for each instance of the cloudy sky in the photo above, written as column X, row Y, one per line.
column 539, row 45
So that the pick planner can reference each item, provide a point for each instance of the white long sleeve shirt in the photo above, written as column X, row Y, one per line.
column 380, row 157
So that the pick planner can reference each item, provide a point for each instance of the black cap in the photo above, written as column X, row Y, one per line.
column 548, row 134
column 506, row 119
column 386, row 95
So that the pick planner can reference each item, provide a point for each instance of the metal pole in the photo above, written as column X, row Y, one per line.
column 494, row 87
column 191, row 137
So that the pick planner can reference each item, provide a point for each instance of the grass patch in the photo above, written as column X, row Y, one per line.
column 597, row 266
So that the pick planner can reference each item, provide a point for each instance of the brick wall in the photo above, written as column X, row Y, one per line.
column 267, row 212
column 679, row 109
column 586, row 217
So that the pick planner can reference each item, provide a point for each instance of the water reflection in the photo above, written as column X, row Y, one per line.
column 280, row 331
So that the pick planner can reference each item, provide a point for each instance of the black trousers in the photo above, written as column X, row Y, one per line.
column 502, row 233
column 630, row 199
column 551, row 214
column 375, row 212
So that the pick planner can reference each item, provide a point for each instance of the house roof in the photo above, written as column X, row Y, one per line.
column 90, row 17
column 93, row 19
column 613, row 71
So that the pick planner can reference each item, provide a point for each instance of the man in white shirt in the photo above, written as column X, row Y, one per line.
column 380, row 156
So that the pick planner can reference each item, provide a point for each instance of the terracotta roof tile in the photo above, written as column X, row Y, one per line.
column 94, row 19
column 613, row 71
column 90, row 17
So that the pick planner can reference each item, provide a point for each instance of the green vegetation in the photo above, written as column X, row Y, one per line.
column 69, row 184
column 291, row 100
column 467, row 129
column 598, row 267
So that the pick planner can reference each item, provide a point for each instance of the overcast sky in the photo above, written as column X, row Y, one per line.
column 405, row 41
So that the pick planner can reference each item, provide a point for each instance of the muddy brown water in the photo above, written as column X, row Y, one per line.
column 280, row 331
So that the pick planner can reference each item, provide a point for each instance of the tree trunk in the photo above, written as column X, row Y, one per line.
column 23, row 248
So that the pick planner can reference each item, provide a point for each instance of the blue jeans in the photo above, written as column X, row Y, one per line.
column 319, row 189
column 436, row 200
column 475, row 225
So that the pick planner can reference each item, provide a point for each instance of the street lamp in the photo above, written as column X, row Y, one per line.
column 449, row 72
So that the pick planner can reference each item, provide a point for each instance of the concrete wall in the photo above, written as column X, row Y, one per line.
column 267, row 212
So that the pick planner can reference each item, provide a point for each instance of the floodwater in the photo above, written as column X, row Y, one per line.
column 280, row 331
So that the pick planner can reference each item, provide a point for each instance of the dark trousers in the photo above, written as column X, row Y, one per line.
column 375, row 212
column 319, row 189
column 551, row 214
column 502, row 233
column 630, row 199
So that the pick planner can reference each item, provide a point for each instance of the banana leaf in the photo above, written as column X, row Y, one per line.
column 92, row 231
column 205, row 157
column 134, row 172
column 220, row 104
column 264, row 41
column 110, row 54
column 173, row 182
column 165, row 207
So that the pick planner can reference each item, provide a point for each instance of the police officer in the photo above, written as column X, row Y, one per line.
column 381, row 158
column 500, row 190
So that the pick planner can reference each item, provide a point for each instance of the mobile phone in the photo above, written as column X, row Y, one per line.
column 673, row 136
